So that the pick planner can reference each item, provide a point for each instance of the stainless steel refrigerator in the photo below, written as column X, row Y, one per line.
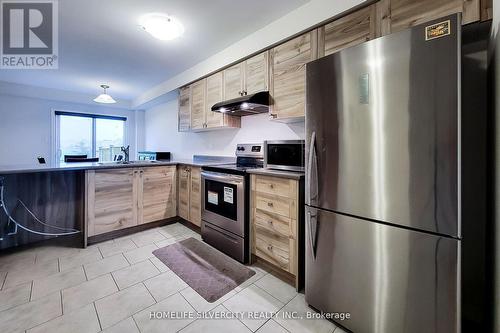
column 383, row 199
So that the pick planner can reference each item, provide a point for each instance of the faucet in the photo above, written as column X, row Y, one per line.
column 126, row 152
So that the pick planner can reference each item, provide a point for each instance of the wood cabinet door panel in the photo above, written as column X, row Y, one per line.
column 408, row 13
column 288, row 80
column 183, row 188
column 184, row 109
column 350, row 30
column 198, row 104
column 114, row 201
column 214, row 95
column 233, row 81
column 195, row 196
column 159, row 193
column 257, row 73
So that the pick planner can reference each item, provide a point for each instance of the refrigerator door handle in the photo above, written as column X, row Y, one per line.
column 313, row 228
column 310, row 160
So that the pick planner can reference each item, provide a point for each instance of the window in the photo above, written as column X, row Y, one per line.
column 91, row 135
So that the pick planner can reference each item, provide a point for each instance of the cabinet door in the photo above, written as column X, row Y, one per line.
column 184, row 109
column 158, row 193
column 408, row 13
column 214, row 95
column 256, row 73
column 111, row 200
column 233, row 81
column 350, row 30
column 198, row 104
column 195, row 196
column 289, row 75
column 184, row 187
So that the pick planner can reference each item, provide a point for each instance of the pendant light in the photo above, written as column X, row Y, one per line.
column 104, row 98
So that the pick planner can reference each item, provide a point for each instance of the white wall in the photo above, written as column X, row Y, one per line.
column 162, row 135
column 26, row 127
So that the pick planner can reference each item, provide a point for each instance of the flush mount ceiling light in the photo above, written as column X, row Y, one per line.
column 104, row 98
column 161, row 26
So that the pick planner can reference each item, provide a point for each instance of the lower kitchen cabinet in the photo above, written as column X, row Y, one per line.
column 159, row 200
column 195, row 197
column 274, row 218
column 122, row 198
column 184, row 177
column 189, row 198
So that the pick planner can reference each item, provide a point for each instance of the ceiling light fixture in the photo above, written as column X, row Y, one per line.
column 161, row 26
column 104, row 98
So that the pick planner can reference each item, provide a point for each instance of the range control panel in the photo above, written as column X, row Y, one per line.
column 250, row 150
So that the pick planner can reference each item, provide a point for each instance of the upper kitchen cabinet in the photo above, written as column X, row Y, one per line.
column 195, row 106
column 214, row 95
column 256, row 74
column 353, row 29
column 198, row 104
column 233, row 81
column 402, row 14
column 184, row 109
column 288, row 76
column 247, row 77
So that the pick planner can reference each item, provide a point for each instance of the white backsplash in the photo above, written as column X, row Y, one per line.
column 161, row 133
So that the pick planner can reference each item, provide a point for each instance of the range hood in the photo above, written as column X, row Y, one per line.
column 244, row 105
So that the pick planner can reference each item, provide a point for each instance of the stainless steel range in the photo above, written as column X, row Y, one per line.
column 225, row 202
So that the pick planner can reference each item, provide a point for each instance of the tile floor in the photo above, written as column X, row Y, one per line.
column 115, row 286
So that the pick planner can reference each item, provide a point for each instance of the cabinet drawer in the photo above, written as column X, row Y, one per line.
column 273, row 223
column 277, row 186
column 275, row 204
column 272, row 248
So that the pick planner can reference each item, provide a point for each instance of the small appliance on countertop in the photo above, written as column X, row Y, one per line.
column 225, row 202
column 286, row 155
column 153, row 156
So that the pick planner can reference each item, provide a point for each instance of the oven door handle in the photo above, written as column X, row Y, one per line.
column 222, row 177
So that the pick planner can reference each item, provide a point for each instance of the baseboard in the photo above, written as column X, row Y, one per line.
column 131, row 230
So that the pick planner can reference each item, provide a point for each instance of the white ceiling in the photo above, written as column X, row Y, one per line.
column 100, row 42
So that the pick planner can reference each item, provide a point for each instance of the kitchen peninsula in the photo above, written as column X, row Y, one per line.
column 98, row 199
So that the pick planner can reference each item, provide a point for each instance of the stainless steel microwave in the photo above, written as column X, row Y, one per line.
column 284, row 155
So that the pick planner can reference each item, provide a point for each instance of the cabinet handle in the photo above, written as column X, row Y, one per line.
column 270, row 204
column 270, row 247
column 245, row 93
column 270, row 222
column 271, row 185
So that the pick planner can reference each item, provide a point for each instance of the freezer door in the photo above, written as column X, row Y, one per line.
column 388, row 279
column 382, row 133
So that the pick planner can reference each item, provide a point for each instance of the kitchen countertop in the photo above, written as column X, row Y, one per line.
column 198, row 160
column 278, row 173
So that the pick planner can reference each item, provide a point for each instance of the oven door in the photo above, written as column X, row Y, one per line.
column 223, row 197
